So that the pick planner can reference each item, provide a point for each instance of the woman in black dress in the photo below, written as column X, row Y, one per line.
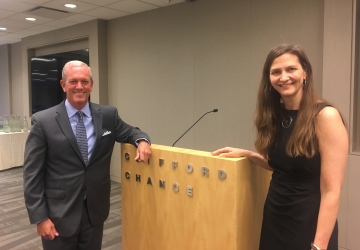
column 303, row 140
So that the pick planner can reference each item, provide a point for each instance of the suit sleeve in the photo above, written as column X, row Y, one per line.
column 127, row 133
column 34, row 173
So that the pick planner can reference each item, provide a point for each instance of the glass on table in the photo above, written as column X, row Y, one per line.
column 6, row 124
column 18, row 123
column 25, row 125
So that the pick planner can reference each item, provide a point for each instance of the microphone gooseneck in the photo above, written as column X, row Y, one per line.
column 212, row 111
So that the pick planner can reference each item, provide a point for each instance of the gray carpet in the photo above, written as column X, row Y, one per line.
column 16, row 233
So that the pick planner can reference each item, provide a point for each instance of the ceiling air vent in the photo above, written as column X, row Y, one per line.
column 49, row 13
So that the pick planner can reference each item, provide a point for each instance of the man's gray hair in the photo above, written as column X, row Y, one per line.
column 77, row 64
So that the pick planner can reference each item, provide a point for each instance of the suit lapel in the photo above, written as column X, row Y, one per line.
column 63, row 120
column 97, row 119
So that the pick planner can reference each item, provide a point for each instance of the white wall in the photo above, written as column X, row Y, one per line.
column 5, row 80
column 17, row 103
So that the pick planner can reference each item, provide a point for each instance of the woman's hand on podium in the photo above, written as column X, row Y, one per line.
column 238, row 152
column 231, row 152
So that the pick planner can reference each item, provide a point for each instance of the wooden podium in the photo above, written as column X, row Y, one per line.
column 190, row 200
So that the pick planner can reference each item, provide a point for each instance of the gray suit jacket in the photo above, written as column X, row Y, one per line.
column 55, row 175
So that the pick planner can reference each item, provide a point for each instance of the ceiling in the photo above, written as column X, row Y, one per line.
column 52, row 14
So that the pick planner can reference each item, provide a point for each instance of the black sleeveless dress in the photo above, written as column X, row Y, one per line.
column 292, row 204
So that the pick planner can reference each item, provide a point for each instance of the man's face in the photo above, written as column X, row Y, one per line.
column 77, row 85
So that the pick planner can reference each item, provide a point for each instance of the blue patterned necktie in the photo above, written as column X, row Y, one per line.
column 81, row 137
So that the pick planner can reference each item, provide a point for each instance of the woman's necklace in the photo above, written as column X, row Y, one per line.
column 287, row 121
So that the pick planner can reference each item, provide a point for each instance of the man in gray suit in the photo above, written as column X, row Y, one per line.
column 67, row 164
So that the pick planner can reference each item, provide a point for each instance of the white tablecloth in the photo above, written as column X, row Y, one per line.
column 12, row 147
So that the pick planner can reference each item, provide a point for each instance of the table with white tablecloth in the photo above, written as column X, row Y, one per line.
column 12, row 147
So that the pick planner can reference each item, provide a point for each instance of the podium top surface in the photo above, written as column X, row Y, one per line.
column 191, row 152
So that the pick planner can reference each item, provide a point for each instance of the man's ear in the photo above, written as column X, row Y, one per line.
column 92, row 85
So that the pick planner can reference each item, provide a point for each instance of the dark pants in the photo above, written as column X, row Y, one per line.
column 86, row 237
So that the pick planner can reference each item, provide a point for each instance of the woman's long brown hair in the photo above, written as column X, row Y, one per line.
column 269, row 110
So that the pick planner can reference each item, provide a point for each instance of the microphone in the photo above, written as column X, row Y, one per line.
column 214, row 110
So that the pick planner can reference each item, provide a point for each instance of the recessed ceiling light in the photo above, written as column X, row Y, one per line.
column 30, row 19
column 69, row 5
column 1, row 28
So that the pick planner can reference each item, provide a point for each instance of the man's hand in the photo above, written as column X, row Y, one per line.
column 46, row 229
column 143, row 151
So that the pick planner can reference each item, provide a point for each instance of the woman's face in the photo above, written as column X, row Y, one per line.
column 287, row 76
